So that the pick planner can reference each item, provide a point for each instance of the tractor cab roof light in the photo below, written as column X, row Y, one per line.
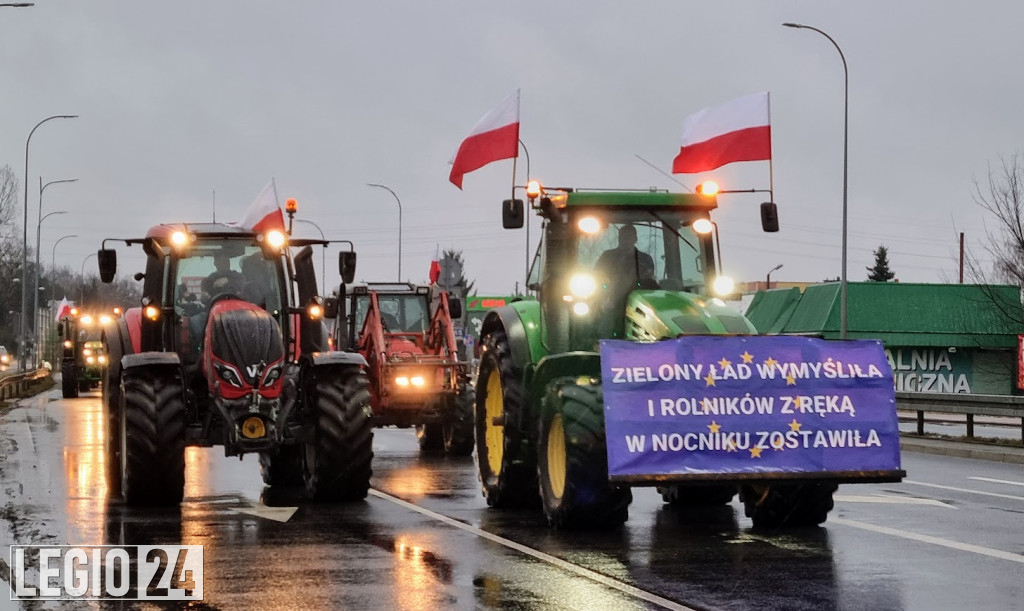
column 703, row 226
column 708, row 188
column 533, row 189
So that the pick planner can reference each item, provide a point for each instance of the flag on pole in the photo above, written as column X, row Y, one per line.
column 63, row 309
column 739, row 130
column 494, row 137
column 265, row 212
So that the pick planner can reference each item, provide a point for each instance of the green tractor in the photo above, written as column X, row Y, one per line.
column 628, row 265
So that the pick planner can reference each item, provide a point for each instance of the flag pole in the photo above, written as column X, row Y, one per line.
column 771, row 174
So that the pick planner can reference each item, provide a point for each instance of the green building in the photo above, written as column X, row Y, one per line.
column 953, row 338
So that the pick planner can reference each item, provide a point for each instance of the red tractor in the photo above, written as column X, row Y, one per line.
column 405, row 333
column 228, row 348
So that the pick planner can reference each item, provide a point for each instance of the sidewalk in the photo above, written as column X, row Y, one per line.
column 962, row 449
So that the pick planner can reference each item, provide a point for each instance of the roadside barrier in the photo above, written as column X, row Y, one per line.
column 1005, row 406
column 15, row 385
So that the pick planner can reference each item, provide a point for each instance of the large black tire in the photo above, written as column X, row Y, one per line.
column 458, row 426
column 111, row 401
column 69, row 380
column 572, row 459
column 283, row 467
column 152, row 436
column 788, row 505
column 697, row 495
column 336, row 464
column 507, row 474
column 430, row 437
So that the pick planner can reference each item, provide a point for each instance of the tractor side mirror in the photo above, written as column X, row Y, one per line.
column 331, row 307
column 347, row 266
column 512, row 214
column 454, row 307
column 107, row 259
column 769, row 217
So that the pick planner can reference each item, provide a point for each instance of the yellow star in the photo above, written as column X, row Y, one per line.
column 710, row 379
column 747, row 357
column 714, row 426
column 771, row 362
column 755, row 452
column 724, row 362
column 790, row 380
column 794, row 426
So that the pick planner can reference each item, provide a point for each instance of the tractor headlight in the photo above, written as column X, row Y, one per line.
column 85, row 320
column 151, row 312
column 102, row 359
column 402, row 381
column 272, row 375
column 90, row 360
column 582, row 285
column 703, row 226
column 417, row 381
column 580, row 308
column 229, row 374
column 68, row 343
column 87, row 351
column 723, row 285
column 105, row 320
column 275, row 238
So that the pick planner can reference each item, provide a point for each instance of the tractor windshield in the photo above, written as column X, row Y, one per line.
column 653, row 249
column 401, row 313
column 218, row 267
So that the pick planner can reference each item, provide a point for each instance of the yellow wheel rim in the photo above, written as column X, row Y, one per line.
column 556, row 457
column 494, row 434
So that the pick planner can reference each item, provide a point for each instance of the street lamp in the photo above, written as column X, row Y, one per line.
column 768, row 278
column 371, row 184
column 40, row 219
column 24, row 238
column 53, row 253
column 81, row 296
column 323, row 253
column 846, row 141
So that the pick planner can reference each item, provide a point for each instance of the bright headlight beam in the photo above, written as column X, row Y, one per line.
column 582, row 285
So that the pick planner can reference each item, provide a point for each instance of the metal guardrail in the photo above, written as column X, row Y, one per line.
column 1004, row 406
column 14, row 385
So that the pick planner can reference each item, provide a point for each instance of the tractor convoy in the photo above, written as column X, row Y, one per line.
column 83, row 356
column 230, row 347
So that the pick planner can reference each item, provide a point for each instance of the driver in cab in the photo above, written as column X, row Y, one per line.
column 621, row 270
column 223, row 280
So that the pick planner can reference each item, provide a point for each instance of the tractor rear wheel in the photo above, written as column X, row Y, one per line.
column 572, row 459
column 69, row 380
column 508, row 476
column 336, row 464
column 788, row 505
column 283, row 467
column 152, row 426
column 457, row 427
column 697, row 495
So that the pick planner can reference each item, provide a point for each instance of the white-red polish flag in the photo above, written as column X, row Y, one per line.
column 739, row 130
column 495, row 137
column 264, row 213
column 64, row 309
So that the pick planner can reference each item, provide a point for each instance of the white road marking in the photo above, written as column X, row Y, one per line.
column 894, row 500
column 997, row 481
column 539, row 555
column 278, row 514
column 940, row 486
column 964, row 547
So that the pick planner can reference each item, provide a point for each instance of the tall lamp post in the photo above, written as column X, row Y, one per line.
column 768, row 277
column 39, row 223
column 371, row 184
column 81, row 296
column 24, row 243
column 53, row 251
column 846, row 141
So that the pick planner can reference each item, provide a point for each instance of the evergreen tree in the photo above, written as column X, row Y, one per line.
column 880, row 271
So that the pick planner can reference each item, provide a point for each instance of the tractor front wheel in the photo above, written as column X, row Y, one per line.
column 336, row 463
column 507, row 474
column 457, row 427
column 152, row 427
column 788, row 505
column 572, row 459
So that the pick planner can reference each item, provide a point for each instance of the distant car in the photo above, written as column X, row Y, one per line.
column 5, row 358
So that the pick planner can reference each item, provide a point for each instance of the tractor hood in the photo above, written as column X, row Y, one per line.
column 654, row 314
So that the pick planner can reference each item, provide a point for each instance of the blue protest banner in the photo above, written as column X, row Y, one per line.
column 749, row 404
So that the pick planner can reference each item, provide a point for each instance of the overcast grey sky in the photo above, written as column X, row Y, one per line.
column 180, row 99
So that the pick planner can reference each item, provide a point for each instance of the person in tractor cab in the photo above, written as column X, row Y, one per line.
column 223, row 280
column 257, row 280
column 620, row 271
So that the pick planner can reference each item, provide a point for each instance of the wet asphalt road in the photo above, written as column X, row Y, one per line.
column 950, row 537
